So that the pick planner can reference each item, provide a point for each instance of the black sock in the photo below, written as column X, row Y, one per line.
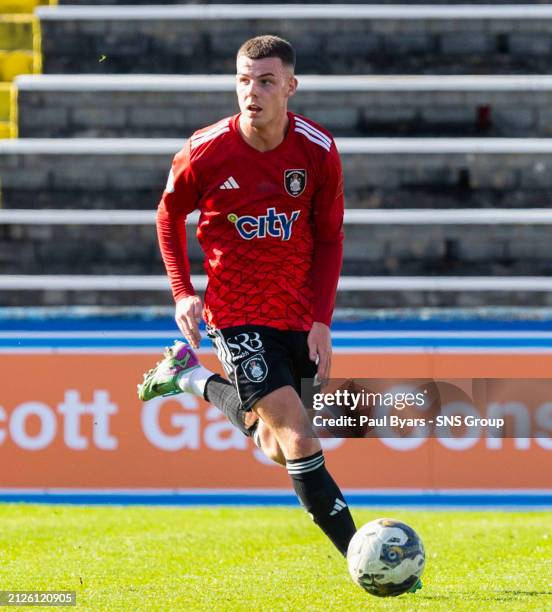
column 322, row 499
column 222, row 394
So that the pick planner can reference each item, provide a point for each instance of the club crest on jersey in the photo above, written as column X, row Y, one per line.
column 276, row 225
column 255, row 368
column 295, row 182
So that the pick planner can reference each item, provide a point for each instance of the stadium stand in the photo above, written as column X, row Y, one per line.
column 78, row 192
column 330, row 39
column 497, row 242
column 19, row 54
column 379, row 172
column 169, row 106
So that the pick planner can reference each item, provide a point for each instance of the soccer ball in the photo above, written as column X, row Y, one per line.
column 386, row 557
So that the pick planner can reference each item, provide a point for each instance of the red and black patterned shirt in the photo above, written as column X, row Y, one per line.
column 270, row 225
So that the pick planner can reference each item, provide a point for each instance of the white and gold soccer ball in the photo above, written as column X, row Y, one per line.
column 386, row 557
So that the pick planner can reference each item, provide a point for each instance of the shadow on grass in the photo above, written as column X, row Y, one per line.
column 532, row 593
column 505, row 595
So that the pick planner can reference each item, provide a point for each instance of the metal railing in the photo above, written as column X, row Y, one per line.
column 75, row 282
column 360, row 216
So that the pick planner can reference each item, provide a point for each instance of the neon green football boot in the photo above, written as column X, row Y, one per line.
column 162, row 380
column 415, row 587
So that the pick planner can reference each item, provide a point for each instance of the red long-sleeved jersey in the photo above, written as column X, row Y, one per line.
column 270, row 225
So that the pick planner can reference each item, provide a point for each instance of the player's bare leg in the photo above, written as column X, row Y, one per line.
column 267, row 442
column 283, row 413
column 283, row 432
column 222, row 394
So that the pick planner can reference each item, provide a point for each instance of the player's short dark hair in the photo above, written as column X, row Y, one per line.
column 268, row 46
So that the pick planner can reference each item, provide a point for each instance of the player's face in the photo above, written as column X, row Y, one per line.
column 263, row 87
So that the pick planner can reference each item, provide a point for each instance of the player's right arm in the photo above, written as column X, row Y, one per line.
column 328, row 208
column 181, row 197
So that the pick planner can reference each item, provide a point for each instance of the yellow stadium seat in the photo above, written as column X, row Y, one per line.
column 8, row 111
column 23, row 6
column 16, row 32
column 5, row 102
column 14, row 63
column 20, row 53
column 7, row 130
column 18, row 6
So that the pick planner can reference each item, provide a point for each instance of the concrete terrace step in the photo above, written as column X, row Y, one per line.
column 329, row 38
column 170, row 105
column 461, row 241
column 379, row 172
column 390, row 248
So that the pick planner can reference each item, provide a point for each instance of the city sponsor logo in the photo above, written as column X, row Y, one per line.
column 295, row 181
column 274, row 224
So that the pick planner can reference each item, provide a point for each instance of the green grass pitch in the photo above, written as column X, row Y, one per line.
column 147, row 558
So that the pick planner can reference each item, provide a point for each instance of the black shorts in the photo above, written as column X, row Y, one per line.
column 260, row 359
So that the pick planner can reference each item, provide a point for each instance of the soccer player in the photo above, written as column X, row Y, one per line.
column 269, row 187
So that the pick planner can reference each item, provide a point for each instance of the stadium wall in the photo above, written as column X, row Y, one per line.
column 72, row 424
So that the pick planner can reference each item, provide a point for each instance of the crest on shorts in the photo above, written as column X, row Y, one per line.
column 295, row 181
column 255, row 368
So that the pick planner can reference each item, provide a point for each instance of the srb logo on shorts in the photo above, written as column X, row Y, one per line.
column 277, row 225
column 255, row 368
column 245, row 343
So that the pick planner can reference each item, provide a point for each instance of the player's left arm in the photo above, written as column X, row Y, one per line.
column 328, row 209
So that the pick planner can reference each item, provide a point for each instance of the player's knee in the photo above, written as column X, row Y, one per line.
column 300, row 444
column 282, row 410
column 285, row 416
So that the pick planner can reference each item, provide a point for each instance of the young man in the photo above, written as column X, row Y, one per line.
column 269, row 187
